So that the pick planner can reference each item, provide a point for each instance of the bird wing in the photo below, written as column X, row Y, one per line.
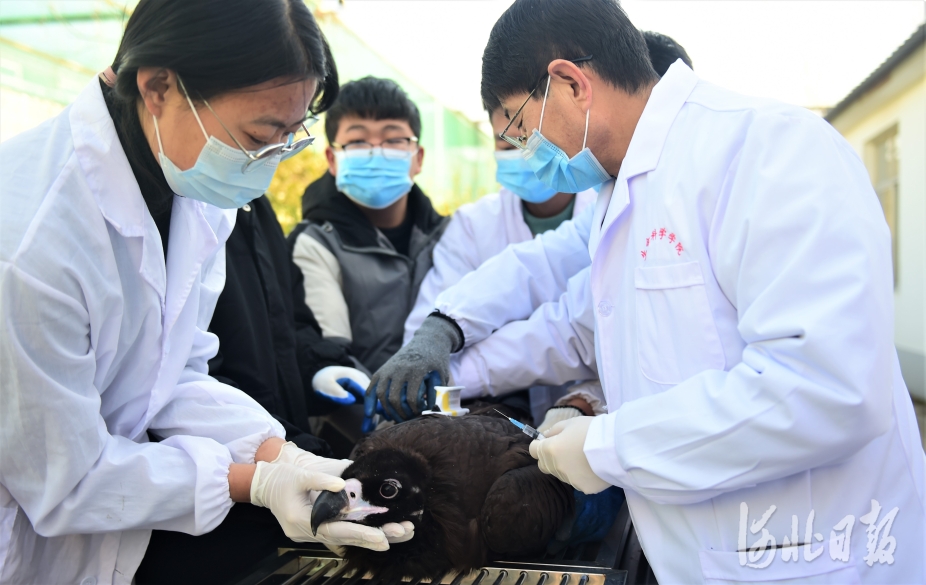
column 523, row 510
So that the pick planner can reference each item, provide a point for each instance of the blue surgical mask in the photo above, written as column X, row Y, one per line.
column 218, row 177
column 517, row 176
column 555, row 169
column 370, row 179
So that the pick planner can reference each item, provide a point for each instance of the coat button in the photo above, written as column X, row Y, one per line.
column 246, row 207
column 88, row 581
column 605, row 308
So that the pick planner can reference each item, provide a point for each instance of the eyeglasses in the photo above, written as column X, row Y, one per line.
column 291, row 147
column 521, row 141
column 391, row 148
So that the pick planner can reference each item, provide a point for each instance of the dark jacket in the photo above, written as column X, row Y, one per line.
column 270, row 344
column 369, row 288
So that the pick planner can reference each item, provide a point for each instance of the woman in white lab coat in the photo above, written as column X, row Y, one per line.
column 104, row 344
column 742, row 296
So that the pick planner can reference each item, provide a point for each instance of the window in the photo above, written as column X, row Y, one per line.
column 883, row 166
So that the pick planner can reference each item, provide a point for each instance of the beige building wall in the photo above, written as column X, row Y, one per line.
column 899, row 102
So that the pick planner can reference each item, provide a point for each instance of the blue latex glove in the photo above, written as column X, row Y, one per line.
column 340, row 385
column 425, row 396
column 594, row 516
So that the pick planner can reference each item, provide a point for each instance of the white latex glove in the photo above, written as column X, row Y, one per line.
column 290, row 454
column 340, row 384
column 561, row 454
column 395, row 532
column 558, row 414
column 286, row 490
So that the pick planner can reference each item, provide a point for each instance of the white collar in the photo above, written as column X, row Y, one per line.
column 665, row 102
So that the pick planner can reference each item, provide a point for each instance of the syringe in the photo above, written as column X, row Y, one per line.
column 526, row 429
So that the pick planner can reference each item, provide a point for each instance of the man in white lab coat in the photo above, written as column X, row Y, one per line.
column 742, row 295
column 481, row 230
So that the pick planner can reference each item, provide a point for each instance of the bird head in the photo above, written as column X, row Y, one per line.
column 387, row 485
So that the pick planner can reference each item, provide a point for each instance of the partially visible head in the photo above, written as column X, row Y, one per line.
column 388, row 485
column 663, row 51
column 377, row 112
column 262, row 66
column 533, row 33
column 585, row 48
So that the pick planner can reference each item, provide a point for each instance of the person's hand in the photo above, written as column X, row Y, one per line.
column 290, row 454
column 335, row 537
column 561, row 454
column 558, row 414
column 340, row 384
column 289, row 492
column 405, row 384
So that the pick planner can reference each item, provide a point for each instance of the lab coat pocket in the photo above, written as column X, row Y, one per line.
column 725, row 567
column 676, row 335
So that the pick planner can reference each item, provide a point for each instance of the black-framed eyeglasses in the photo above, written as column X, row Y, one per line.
column 521, row 141
column 392, row 148
column 291, row 147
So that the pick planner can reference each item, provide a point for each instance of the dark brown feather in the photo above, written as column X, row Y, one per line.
column 485, row 496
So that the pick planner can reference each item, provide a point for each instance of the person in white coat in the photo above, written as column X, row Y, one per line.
column 522, row 209
column 515, row 357
column 109, row 424
column 743, row 307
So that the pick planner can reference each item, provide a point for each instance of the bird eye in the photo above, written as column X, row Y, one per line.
column 389, row 489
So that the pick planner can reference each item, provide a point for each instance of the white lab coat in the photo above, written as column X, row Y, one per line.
column 478, row 231
column 102, row 342
column 746, row 352
column 554, row 345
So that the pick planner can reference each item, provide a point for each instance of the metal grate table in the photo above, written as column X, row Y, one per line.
column 617, row 560
column 321, row 567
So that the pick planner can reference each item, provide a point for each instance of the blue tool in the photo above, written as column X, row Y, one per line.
column 526, row 429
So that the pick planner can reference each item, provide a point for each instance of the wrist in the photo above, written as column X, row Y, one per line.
column 582, row 405
column 240, row 476
column 449, row 327
column 269, row 450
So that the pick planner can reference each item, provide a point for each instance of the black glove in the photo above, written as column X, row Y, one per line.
column 421, row 365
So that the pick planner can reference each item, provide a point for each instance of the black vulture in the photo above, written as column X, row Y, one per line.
column 469, row 486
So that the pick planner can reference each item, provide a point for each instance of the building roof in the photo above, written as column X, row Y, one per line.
column 909, row 46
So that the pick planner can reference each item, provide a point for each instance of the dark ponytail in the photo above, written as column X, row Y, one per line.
column 218, row 46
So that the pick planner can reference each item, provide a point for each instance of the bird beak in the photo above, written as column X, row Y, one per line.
column 347, row 505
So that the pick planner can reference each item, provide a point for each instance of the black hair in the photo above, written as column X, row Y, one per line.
column 218, row 46
column 663, row 51
column 373, row 98
column 532, row 33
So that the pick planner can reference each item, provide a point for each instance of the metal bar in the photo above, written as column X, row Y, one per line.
column 583, row 580
column 564, row 580
column 418, row 581
column 483, row 573
column 459, row 578
column 337, row 575
column 320, row 574
column 542, row 579
column 299, row 574
column 521, row 578
column 501, row 577
column 355, row 578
